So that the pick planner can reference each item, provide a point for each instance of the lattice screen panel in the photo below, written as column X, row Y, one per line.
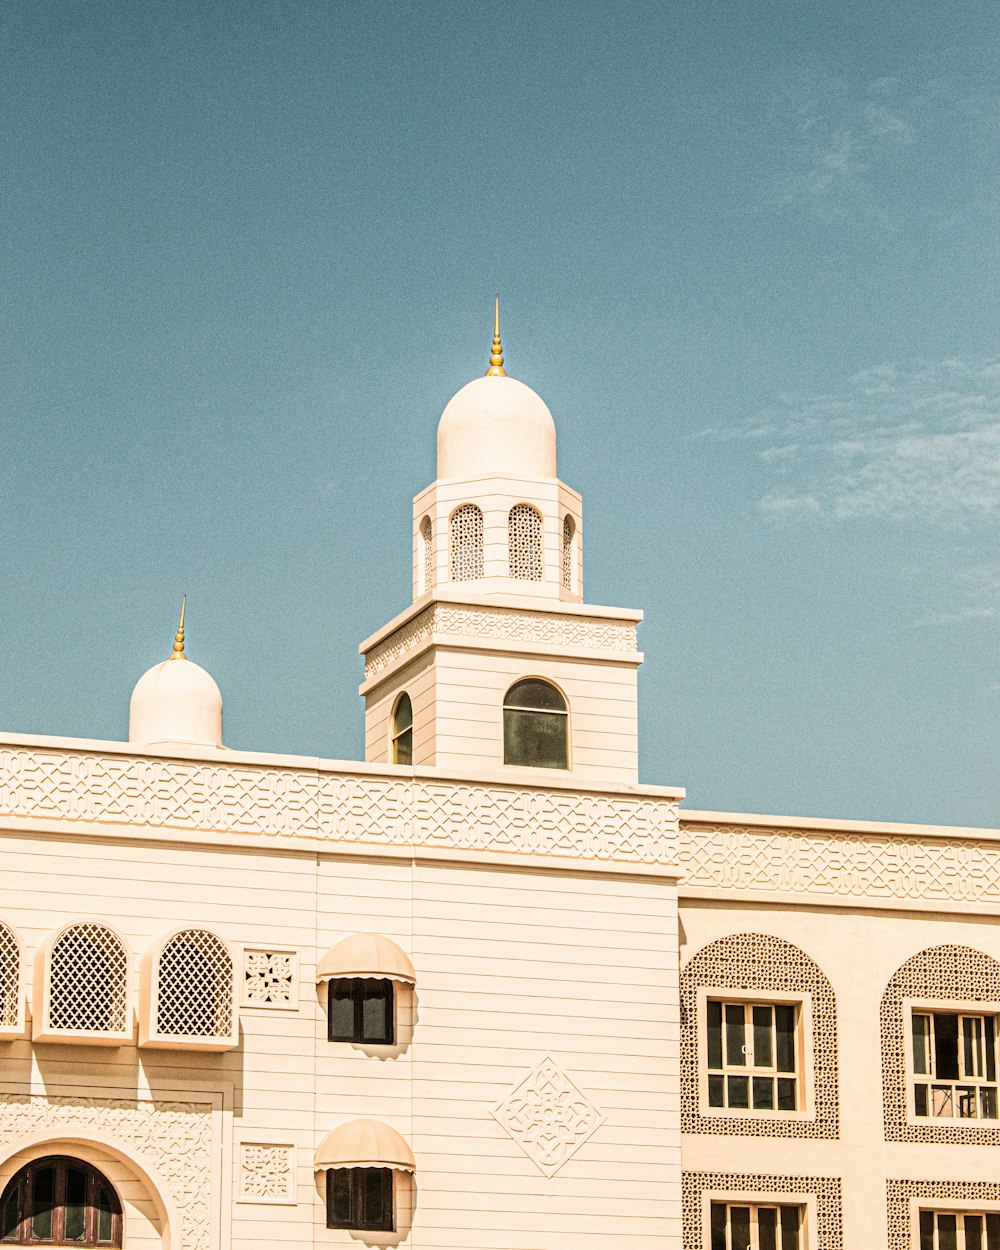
column 10, row 977
column 88, row 989
column 940, row 972
column 427, row 553
column 829, row 1234
column 759, row 961
column 194, row 996
column 569, row 529
column 524, row 543
column 939, row 1194
column 465, row 543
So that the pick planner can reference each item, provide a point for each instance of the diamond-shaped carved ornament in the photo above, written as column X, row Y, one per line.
column 548, row 1116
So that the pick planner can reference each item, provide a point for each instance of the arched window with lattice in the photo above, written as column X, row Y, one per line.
column 188, row 994
column 568, row 534
column 82, row 986
column 426, row 556
column 465, row 543
column 58, row 1200
column 11, row 1012
column 524, row 543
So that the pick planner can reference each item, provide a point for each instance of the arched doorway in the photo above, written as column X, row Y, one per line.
column 60, row 1200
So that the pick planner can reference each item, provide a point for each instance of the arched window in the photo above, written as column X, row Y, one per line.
column 402, row 731
column 60, row 1201
column 426, row 555
column 524, row 543
column 88, row 981
column 535, row 725
column 194, row 987
column 465, row 543
column 569, row 530
column 10, row 979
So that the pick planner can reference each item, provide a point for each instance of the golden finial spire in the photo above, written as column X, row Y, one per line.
column 178, row 651
column 496, row 369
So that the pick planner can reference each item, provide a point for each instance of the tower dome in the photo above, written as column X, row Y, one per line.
column 496, row 426
column 176, row 703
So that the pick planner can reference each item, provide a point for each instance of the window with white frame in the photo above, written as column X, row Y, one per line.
column 10, row 978
column 524, row 543
column 88, row 985
column 194, row 987
column 757, row 1226
column 959, row 1230
column 753, row 1056
column 465, row 543
column 953, row 1064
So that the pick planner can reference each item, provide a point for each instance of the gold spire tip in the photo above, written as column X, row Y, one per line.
column 496, row 369
column 178, row 651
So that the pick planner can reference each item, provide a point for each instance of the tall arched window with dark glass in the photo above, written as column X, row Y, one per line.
column 60, row 1201
column 535, row 725
column 402, row 731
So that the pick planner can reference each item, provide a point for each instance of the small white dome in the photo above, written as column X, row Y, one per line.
column 496, row 425
column 176, row 704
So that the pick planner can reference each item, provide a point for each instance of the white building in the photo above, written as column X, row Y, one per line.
column 442, row 999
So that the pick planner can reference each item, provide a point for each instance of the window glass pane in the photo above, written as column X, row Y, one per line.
column 763, row 1093
column 990, row 1045
column 42, row 1202
column 75, row 1213
column 926, row 1230
column 719, row 1226
column 714, row 1034
column 535, row 694
column 376, row 1011
column 791, row 1220
column 920, row 1099
column 767, row 1228
column 946, row 1046
column 974, row 1232
column 920, row 1027
column 762, row 1048
column 786, row 1094
column 735, row 1035
column 739, row 1223
column 535, row 739
column 404, row 714
column 784, row 1023
column 715, row 1091
column 9, row 1221
column 105, row 1216
column 339, row 1213
column 402, row 748
column 947, row 1227
column 988, row 1102
column 341, row 1011
column 993, row 1232
column 376, row 1202
column 966, row 1102
column 972, row 1046
column 738, row 1088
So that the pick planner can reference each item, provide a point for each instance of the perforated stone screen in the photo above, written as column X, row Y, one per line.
column 524, row 543
column 829, row 1234
column 957, row 973
column 10, row 975
column 938, row 1195
column 569, row 529
column 759, row 961
column 194, row 996
column 465, row 543
column 88, row 990
column 427, row 553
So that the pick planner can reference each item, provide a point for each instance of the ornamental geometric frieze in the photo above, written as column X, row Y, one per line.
column 174, row 1137
column 503, row 625
column 548, row 1116
column 343, row 807
column 818, row 862
column 267, row 1172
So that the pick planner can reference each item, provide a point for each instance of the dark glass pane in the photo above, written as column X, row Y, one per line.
column 10, row 1218
column 946, row 1046
column 42, row 1202
column 784, row 1027
column 404, row 714
column 973, row 1232
column 790, row 1223
column 714, row 1034
column 739, row 1222
column 988, row 1102
column 786, row 1094
column 535, row 739
column 75, row 1211
column 919, row 1033
column 402, row 748
column 376, row 1011
column 339, row 1208
column 719, row 1226
column 105, row 1216
column 970, row 1048
column 947, row 1228
column 739, row 1091
column 966, row 1102
column 341, row 1011
column 926, row 1230
column 762, row 1056
column 735, row 1035
column 535, row 694
column 992, row 1232
column 991, row 1049
column 763, row 1093
column 920, row 1099
column 767, row 1228
column 715, row 1091
column 376, row 1198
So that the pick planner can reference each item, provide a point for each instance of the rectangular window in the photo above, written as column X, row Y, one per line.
column 756, row 1226
column 959, row 1230
column 360, row 1198
column 752, row 1056
column 954, row 1065
column 361, row 1009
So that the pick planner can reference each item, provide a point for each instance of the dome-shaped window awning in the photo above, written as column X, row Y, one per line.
column 366, row 955
column 364, row 1144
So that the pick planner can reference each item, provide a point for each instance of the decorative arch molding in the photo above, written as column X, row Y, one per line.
column 939, row 973
column 760, row 962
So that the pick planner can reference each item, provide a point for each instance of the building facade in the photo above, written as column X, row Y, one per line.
column 482, row 991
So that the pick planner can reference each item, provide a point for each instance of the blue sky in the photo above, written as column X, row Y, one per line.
column 748, row 254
